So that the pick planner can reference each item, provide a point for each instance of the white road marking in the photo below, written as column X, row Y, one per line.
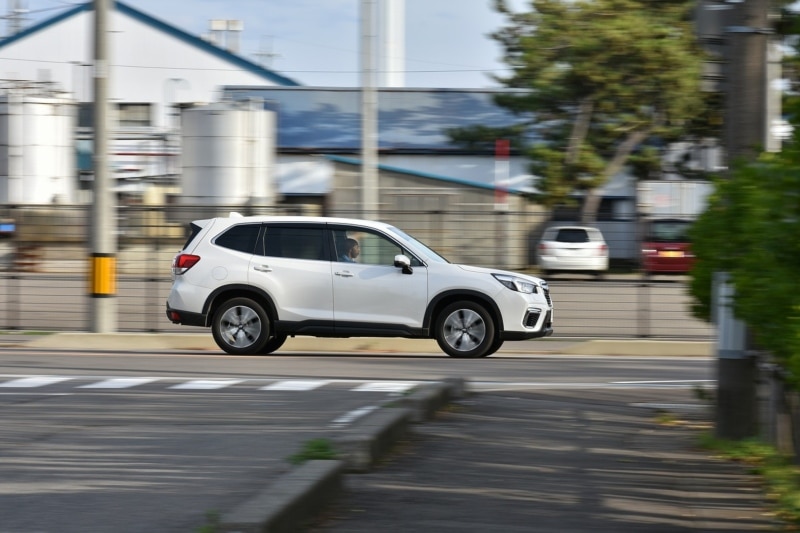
column 34, row 381
column 668, row 382
column 206, row 384
column 296, row 385
column 350, row 417
column 386, row 386
column 118, row 383
column 670, row 405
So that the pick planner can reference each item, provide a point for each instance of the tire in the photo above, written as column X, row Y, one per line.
column 494, row 347
column 241, row 327
column 464, row 330
column 273, row 344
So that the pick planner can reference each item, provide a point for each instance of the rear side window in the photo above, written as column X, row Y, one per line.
column 241, row 238
column 194, row 230
column 295, row 242
column 572, row 235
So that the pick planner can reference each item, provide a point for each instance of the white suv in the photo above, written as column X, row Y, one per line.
column 256, row 280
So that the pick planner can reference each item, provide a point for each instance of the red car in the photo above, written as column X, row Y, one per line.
column 666, row 248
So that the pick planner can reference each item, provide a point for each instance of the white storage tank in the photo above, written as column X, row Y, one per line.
column 228, row 155
column 37, row 146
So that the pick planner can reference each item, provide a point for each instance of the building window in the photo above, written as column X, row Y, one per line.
column 134, row 115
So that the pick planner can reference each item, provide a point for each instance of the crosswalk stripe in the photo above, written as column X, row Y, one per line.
column 118, row 383
column 386, row 386
column 34, row 381
column 296, row 385
column 206, row 384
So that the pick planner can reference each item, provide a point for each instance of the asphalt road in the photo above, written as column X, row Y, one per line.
column 113, row 441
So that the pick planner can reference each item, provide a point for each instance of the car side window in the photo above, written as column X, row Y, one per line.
column 295, row 242
column 373, row 247
column 241, row 237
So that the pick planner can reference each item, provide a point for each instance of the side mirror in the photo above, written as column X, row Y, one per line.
column 401, row 261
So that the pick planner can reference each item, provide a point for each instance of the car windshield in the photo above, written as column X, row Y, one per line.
column 669, row 231
column 430, row 254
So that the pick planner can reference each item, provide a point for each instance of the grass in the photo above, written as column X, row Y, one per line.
column 313, row 450
column 212, row 523
column 780, row 475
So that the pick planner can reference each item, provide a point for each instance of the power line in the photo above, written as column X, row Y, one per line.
column 282, row 71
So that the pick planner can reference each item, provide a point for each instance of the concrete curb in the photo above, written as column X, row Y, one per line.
column 204, row 342
column 296, row 498
column 643, row 348
column 286, row 505
column 361, row 445
column 426, row 400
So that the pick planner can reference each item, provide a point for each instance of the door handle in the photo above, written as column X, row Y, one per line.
column 344, row 274
column 263, row 268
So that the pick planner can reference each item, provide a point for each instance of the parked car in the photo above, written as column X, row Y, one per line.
column 571, row 249
column 666, row 247
column 257, row 280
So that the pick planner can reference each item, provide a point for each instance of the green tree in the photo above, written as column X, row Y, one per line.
column 751, row 230
column 604, row 80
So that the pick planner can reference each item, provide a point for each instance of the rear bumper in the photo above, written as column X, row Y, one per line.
column 186, row 318
column 588, row 263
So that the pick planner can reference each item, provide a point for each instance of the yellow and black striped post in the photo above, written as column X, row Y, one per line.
column 103, row 275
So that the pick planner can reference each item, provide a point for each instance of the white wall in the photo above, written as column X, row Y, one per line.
column 148, row 65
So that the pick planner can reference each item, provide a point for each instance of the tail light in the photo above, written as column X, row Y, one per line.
column 183, row 262
column 602, row 250
column 542, row 247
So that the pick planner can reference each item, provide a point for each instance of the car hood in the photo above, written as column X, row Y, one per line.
column 482, row 270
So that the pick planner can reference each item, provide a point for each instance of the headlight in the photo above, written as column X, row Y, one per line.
column 517, row 284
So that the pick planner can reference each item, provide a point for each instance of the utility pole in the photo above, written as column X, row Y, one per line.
column 369, row 112
column 749, row 104
column 103, row 227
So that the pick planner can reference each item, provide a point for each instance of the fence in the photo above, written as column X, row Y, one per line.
column 779, row 413
column 43, row 269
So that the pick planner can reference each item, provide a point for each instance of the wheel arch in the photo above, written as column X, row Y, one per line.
column 222, row 294
column 440, row 301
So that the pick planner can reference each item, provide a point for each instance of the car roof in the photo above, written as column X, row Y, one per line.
column 589, row 228
column 235, row 218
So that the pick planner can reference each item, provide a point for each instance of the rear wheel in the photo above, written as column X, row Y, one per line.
column 273, row 344
column 240, row 327
column 465, row 330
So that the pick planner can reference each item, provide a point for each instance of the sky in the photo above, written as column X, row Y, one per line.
column 316, row 42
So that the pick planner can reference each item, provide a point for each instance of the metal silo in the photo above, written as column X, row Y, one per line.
column 37, row 146
column 228, row 154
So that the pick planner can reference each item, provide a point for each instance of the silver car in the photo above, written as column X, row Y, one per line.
column 571, row 249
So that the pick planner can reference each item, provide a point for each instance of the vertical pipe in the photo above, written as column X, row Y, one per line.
column 369, row 113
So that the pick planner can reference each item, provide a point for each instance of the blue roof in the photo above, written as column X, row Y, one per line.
column 164, row 27
column 413, row 120
column 428, row 175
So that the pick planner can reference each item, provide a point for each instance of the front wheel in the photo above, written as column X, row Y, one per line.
column 240, row 327
column 464, row 330
column 273, row 344
column 494, row 347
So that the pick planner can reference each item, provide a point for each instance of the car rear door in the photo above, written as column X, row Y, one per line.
column 292, row 264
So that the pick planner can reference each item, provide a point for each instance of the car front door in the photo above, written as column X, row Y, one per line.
column 368, row 290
